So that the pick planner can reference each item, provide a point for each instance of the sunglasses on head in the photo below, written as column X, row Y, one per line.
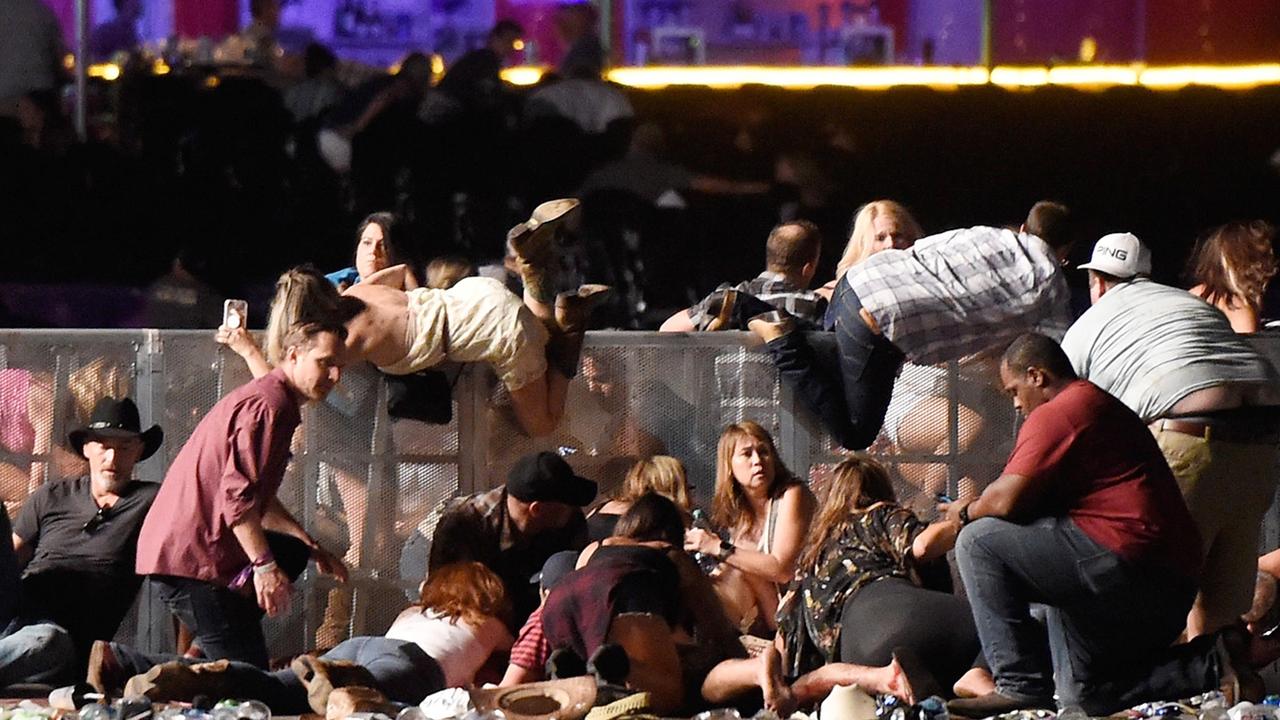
column 98, row 518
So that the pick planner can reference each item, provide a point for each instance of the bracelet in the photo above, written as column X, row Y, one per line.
column 266, row 559
column 264, row 569
column 964, row 514
column 726, row 549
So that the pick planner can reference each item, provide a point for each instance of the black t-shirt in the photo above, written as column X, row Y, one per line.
column 79, row 577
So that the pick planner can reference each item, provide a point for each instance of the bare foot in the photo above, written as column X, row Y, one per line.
column 777, row 694
column 974, row 683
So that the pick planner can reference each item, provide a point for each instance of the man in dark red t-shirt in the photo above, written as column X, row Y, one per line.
column 1086, row 520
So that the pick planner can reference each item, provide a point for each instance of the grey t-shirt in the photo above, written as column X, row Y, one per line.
column 1151, row 345
column 81, row 576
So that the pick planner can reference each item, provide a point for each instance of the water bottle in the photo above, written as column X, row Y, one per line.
column 96, row 711
column 413, row 712
column 706, row 562
column 1072, row 712
column 241, row 710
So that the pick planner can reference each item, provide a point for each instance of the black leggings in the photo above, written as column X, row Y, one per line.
column 893, row 612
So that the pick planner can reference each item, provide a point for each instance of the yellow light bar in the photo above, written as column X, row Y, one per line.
column 523, row 75
column 798, row 77
column 1019, row 76
column 1226, row 76
column 106, row 71
column 1094, row 75
column 1231, row 77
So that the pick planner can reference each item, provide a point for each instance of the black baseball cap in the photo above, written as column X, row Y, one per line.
column 546, row 477
column 556, row 567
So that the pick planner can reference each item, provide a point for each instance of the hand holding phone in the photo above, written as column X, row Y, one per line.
column 235, row 314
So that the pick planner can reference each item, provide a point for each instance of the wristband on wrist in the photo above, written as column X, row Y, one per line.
column 266, row 559
column 964, row 514
column 264, row 569
column 726, row 549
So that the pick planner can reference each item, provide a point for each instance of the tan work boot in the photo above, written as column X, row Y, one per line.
column 771, row 325
column 723, row 310
column 533, row 243
column 573, row 309
column 347, row 701
column 322, row 677
column 105, row 674
column 176, row 681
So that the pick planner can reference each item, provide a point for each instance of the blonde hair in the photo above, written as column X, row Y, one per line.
column 303, row 295
column 445, row 272
column 661, row 474
column 729, row 507
column 466, row 591
column 855, row 485
column 864, row 231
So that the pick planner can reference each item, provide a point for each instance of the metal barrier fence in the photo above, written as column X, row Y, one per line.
column 366, row 485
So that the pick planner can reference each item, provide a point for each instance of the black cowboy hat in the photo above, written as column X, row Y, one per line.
column 117, row 418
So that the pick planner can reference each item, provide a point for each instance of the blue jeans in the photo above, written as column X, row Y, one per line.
column 38, row 653
column 1110, row 623
column 848, row 388
column 226, row 624
column 400, row 669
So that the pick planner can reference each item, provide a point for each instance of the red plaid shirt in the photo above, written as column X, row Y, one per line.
column 531, row 649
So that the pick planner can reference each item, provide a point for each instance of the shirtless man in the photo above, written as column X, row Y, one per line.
column 533, row 346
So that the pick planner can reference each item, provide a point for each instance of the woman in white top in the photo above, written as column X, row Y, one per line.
column 459, row 622
column 766, row 511
column 439, row 643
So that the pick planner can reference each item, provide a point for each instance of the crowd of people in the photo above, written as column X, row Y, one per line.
column 1114, row 559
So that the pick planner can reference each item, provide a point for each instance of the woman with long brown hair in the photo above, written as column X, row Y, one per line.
column 765, row 511
column 858, row 614
column 1231, row 268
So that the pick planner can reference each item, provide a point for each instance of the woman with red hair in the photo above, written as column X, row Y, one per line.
column 440, row 642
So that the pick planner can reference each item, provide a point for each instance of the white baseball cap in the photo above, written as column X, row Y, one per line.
column 1120, row 255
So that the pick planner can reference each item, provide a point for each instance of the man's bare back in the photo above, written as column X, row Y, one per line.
column 377, row 332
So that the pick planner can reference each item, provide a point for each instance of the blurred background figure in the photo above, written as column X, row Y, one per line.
column 1230, row 269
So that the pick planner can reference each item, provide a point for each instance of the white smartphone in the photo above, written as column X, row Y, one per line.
column 235, row 313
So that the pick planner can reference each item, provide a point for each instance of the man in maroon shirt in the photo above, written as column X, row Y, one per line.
column 1086, row 520
column 204, row 542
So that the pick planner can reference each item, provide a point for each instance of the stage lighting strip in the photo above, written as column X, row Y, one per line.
column 872, row 78
column 1232, row 77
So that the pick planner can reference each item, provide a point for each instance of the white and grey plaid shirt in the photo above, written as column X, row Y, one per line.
column 963, row 291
